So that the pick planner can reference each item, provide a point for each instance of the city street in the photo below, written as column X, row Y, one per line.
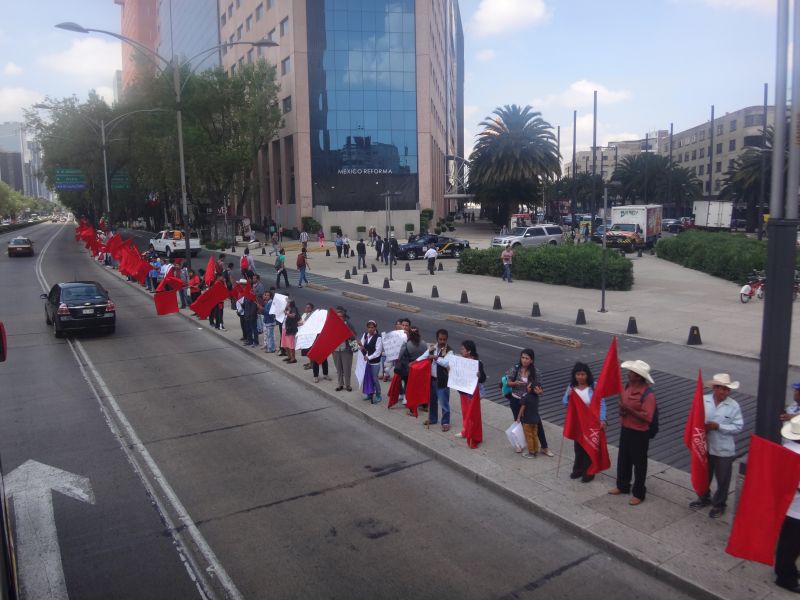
column 207, row 474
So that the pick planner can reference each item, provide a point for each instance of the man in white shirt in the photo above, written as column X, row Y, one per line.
column 431, row 255
column 723, row 421
column 788, row 549
column 794, row 409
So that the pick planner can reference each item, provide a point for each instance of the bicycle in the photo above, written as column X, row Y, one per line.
column 756, row 286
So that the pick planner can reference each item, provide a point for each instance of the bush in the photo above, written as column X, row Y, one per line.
column 576, row 266
column 335, row 229
column 217, row 244
column 730, row 256
column 311, row 225
column 426, row 213
column 361, row 229
column 437, row 230
column 409, row 227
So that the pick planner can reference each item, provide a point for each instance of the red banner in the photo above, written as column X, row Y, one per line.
column 418, row 386
column 334, row 332
column 583, row 426
column 209, row 299
column 694, row 437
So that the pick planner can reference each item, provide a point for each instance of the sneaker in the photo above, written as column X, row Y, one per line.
column 717, row 512
column 548, row 452
column 700, row 503
column 316, row 379
column 222, row 327
column 587, row 478
column 459, row 435
column 575, row 475
column 326, row 378
column 528, row 455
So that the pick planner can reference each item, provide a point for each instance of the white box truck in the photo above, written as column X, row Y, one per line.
column 635, row 226
column 712, row 214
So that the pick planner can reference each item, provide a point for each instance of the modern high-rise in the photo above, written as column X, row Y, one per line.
column 139, row 22
column 372, row 96
column 187, row 28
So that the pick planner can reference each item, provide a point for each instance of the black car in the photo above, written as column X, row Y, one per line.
column 20, row 246
column 79, row 305
column 417, row 246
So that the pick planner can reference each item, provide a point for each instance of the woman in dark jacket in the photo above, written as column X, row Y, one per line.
column 290, row 325
column 520, row 378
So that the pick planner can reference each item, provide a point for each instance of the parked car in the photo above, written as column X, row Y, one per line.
column 536, row 235
column 672, row 225
column 20, row 246
column 171, row 242
column 597, row 234
column 79, row 305
column 417, row 246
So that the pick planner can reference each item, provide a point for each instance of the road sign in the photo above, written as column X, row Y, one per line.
column 70, row 179
column 120, row 181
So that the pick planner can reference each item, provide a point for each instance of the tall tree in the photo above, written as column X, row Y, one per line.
column 514, row 154
column 650, row 178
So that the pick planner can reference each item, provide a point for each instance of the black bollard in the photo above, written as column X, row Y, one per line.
column 364, row 279
column 694, row 336
column 639, row 253
column 355, row 271
column 233, row 248
column 409, row 289
column 535, row 312
column 632, row 329
column 352, row 253
column 347, row 274
column 327, row 252
column 434, row 292
column 386, row 285
column 464, row 297
column 263, row 250
column 497, row 305
column 581, row 320
column 374, row 268
column 441, row 267
column 408, row 266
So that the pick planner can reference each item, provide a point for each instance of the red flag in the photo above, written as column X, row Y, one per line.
column 334, row 332
column 166, row 302
column 209, row 276
column 694, row 437
column 245, row 291
column 610, row 381
column 773, row 474
column 141, row 270
column 393, row 394
column 473, row 424
column 583, row 426
column 418, row 385
column 207, row 301
column 171, row 283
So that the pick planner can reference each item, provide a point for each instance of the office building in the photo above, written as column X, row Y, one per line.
column 608, row 157
column 188, row 28
column 139, row 22
column 372, row 96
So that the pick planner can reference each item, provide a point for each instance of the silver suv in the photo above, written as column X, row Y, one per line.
column 535, row 235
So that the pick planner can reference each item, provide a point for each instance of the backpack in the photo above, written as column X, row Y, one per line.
column 244, row 264
column 278, row 263
column 653, row 430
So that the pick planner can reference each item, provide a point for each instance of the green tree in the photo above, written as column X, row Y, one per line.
column 514, row 154
column 649, row 178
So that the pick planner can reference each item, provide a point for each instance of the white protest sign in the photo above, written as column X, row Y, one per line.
column 361, row 367
column 310, row 329
column 392, row 342
column 463, row 374
column 278, row 307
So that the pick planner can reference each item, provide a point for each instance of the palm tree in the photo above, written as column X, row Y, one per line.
column 649, row 178
column 514, row 153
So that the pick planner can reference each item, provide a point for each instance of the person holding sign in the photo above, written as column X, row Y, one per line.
column 371, row 347
column 466, row 374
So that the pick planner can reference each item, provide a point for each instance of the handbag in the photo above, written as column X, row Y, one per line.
column 516, row 436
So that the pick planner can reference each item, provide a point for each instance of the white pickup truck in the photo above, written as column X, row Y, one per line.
column 171, row 242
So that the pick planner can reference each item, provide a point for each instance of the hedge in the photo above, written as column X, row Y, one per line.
column 731, row 256
column 576, row 266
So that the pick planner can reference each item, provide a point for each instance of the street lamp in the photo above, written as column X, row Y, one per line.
column 387, row 195
column 613, row 184
column 177, row 89
column 104, row 128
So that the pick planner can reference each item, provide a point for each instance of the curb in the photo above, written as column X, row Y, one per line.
column 554, row 339
column 405, row 307
column 356, row 296
column 467, row 320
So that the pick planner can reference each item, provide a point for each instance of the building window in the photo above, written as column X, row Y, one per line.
column 718, row 167
column 286, row 65
column 732, row 125
column 284, row 26
column 719, row 148
column 716, row 185
column 250, row 55
column 230, row 10
column 260, row 52
column 732, row 145
column 230, row 39
column 259, row 11
column 702, row 152
column 694, row 154
column 754, row 120
column 719, row 129
column 702, row 134
column 233, row 70
column 223, row 19
column 224, row 50
column 701, row 169
column 248, row 23
column 271, row 36
column 239, row 33
column 686, row 157
column 730, row 164
column 287, row 104
column 241, row 61
column 238, row 3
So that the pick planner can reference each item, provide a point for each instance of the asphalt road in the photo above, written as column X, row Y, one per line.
column 211, row 475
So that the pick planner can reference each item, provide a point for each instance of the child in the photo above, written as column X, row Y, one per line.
column 529, row 417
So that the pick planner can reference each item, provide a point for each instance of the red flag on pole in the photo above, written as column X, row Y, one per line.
column 610, row 381
column 418, row 386
column 334, row 332
column 393, row 395
column 171, row 283
column 113, row 244
column 166, row 302
column 694, row 437
column 207, row 301
column 583, row 426
column 773, row 475
column 473, row 423
column 209, row 276
column 243, row 291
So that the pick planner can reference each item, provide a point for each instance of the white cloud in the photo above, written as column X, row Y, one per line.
column 11, row 69
column 88, row 60
column 486, row 55
column 765, row 6
column 581, row 93
column 14, row 99
column 499, row 16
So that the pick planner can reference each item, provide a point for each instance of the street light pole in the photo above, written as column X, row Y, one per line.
column 105, row 166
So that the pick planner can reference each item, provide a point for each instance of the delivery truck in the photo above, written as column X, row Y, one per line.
column 712, row 214
column 634, row 226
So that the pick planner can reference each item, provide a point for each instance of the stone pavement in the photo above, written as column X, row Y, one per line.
column 662, row 535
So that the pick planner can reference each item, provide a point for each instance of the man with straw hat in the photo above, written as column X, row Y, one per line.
column 723, row 422
column 637, row 406
column 788, row 549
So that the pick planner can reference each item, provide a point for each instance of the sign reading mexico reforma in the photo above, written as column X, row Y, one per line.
column 351, row 171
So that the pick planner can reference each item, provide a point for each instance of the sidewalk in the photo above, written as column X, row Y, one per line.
column 662, row 535
column 666, row 299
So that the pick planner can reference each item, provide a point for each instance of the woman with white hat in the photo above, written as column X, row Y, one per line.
column 788, row 549
column 637, row 406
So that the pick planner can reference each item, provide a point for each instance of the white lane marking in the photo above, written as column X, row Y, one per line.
column 131, row 445
column 504, row 344
column 31, row 486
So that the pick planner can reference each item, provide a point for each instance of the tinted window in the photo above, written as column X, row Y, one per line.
column 84, row 293
column 553, row 230
column 537, row 232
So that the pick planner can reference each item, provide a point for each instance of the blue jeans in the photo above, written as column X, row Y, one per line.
column 302, row 277
column 439, row 396
column 377, row 382
column 506, row 272
column 269, row 337
column 184, row 297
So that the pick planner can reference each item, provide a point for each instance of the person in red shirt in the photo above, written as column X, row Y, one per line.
column 637, row 404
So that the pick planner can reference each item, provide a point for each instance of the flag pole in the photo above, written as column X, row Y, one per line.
column 560, row 452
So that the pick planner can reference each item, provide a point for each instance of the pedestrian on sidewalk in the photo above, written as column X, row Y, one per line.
column 304, row 239
column 506, row 257
column 290, row 321
column 521, row 378
column 338, row 243
column 394, row 249
column 471, row 422
column 251, row 322
column 321, row 238
column 182, row 293
column 346, row 246
column 378, row 248
column 582, row 384
column 343, row 355
column 439, row 354
column 637, row 407
column 302, row 265
column 274, row 242
column 431, row 255
column 308, row 310
column 371, row 234
column 280, row 268
column 361, row 252
column 247, row 265
column 371, row 347
column 787, row 550
column 194, row 286
column 793, row 409
column 723, row 422
column 269, row 323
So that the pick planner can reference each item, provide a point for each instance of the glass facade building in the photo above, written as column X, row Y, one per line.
column 362, row 80
column 189, row 27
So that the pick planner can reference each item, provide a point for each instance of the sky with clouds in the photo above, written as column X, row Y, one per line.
column 652, row 62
